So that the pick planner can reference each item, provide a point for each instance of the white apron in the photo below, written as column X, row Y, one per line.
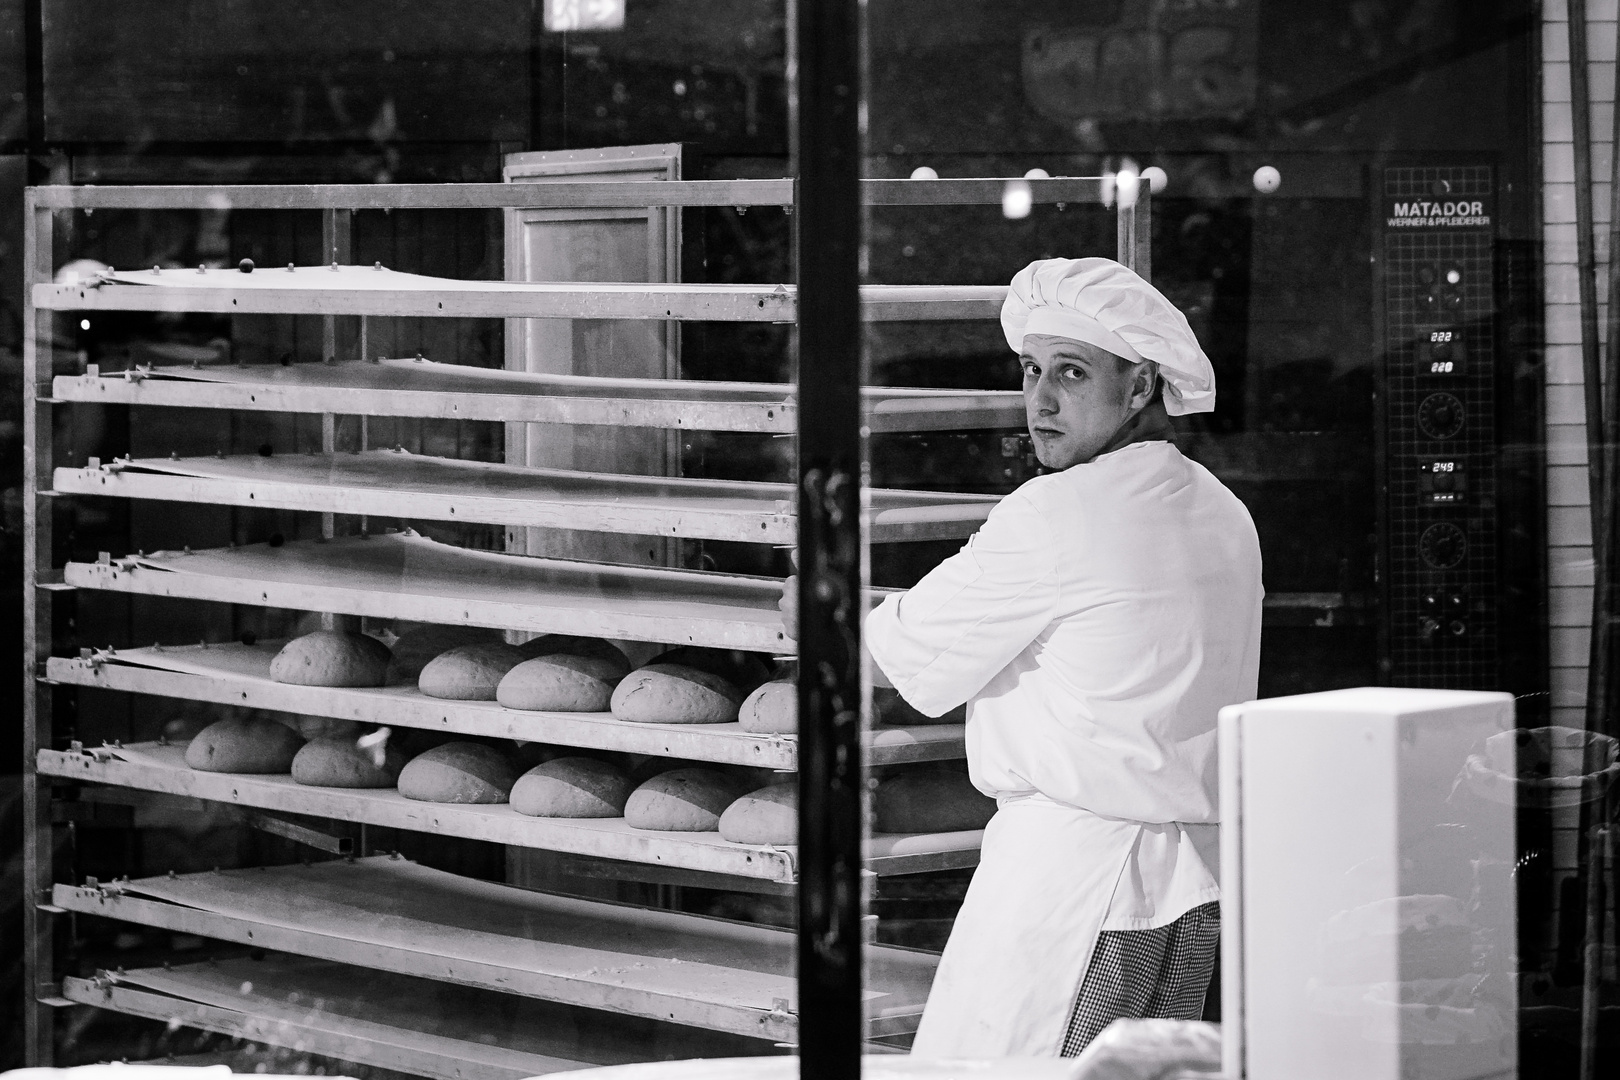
column 1026, row 931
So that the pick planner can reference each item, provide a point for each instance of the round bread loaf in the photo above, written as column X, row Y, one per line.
column 331, row 658
column 767, row 816
column 572, row 787
column 244, row 745
column 469, row 672
column 335, row 761
column 552, row 644
column 560, row 682
column 681, row 800
column 930, row 801
column 773, row 709
column 675, row 694
column 415, row 647
column 458, row 772
column 888, row 707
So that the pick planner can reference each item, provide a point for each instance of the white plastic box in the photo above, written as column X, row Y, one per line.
column 1368, row 910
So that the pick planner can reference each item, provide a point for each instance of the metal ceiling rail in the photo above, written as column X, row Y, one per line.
column 985, row 191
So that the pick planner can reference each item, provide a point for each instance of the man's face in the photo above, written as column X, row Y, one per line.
column 1076, row 395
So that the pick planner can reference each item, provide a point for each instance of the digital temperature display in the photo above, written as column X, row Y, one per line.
column 1441, row 352
column 1442, row 482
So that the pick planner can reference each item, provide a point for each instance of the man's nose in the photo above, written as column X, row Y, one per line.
column 1044, row 394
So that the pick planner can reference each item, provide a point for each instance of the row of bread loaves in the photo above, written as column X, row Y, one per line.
column 563, row 673
column 671, row 799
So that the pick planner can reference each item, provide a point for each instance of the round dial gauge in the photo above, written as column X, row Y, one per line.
column 1442, row 545
column 1440, row 416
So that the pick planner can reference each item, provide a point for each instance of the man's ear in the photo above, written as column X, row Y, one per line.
column 1144, row 384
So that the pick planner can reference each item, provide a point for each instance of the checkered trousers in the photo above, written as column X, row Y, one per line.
column 1159, row 973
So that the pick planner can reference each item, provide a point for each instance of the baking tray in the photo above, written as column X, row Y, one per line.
column 427, row 389
column 376, row 290
column 162, row 767
column 407, row 576
column 396, row 1022
column 394, row 915
column 397, row 484
column 237, row 674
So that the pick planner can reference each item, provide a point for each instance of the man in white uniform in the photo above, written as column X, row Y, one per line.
column 1094, row 626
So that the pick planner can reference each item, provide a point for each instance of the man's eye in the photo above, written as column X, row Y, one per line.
column 1073, row 373
column 1031, row 371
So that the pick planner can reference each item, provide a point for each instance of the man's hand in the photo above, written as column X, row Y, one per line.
column 789, row 606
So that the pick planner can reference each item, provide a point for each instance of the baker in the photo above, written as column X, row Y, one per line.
column 1094, row 626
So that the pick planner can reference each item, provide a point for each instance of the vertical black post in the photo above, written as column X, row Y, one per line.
column 829, row 368
column 33, row 27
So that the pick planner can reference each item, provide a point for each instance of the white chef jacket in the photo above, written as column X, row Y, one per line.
column 1095, row 625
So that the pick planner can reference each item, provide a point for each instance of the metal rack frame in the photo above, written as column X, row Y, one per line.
column 43, row 393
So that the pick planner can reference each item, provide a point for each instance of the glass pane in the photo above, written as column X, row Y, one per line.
column 425, row 542
column 1368, row 220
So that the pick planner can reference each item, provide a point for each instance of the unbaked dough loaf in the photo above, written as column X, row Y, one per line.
column 767, row 816
column 458, row 772
column 244, row 745
column 415, row 647
column 682, row 800
column 336, row 761
column 469, row 672
column 773, row 709
column 572, row 787
column 331, row 658
column 675, row 694
column 930, row 801
column 560, row 683
column 888, row 707
column 552, row 644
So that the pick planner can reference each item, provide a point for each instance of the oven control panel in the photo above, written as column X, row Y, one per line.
column 1435, row 297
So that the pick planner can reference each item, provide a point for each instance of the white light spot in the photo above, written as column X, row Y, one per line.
column 1016, row 200
column 1453, row 276
column 680, row 87
column 1037, row 174
column 1127, row 184
column 84, row 324
column 246, row 989
column 1267, row 179
column 1156, row 178
column 923, row 172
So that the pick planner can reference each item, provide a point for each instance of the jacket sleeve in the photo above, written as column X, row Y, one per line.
column 940, row 642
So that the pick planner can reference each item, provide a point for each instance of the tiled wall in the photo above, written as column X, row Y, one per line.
column 1569, row 529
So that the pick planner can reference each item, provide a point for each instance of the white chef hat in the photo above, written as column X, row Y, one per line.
column 1107, row 304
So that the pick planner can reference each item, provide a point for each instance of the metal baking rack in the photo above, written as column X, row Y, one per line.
column 396, row 916
column 404, row 485
column 162, row 768
column 656, row 965
column 236, row 674
column 425, row 389
column 407, row 1025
